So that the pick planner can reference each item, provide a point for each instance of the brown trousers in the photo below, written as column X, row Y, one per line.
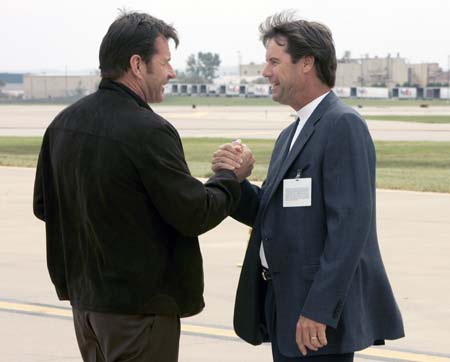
column 106, row 337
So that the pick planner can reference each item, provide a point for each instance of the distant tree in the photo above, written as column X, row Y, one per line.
column 180, row 77
column 202, row 68
column 184, row 77
column 209, row 64
column 192, row 74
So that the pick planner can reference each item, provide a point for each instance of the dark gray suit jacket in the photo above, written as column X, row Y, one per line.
column 324, row 259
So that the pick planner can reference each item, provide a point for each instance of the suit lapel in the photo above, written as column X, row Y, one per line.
column 305, row 134
column 279, row 157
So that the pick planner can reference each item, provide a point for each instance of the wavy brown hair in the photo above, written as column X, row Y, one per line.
column 303, row 38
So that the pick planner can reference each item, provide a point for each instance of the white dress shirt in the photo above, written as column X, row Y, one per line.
column 303, row 114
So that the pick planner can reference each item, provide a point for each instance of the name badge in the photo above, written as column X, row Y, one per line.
column 297, row 192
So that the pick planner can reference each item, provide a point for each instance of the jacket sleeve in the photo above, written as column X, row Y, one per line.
column 251, row 194
column 184, row 202
column 348, row 187
column 248, row 205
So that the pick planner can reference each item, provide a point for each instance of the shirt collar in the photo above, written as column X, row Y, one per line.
column 121, row 88
column 305, row 112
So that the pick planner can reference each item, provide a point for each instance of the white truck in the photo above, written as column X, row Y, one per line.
column 372, row 92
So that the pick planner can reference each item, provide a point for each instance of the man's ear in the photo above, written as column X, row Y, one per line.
column 136, row 66
column 308, row 63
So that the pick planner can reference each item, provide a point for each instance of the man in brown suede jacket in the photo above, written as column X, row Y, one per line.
column 121, row 209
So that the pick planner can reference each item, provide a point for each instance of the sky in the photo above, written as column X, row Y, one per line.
column 49, row 35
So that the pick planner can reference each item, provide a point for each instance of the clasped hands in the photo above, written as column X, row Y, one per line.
column 236, row 157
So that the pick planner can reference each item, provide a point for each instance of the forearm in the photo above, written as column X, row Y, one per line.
column 219, row 198
column 248, row 206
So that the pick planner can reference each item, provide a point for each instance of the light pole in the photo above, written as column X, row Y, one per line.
column 239, row 64
column 448, row 79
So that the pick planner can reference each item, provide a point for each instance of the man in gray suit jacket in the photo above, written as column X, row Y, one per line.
column 313, row 281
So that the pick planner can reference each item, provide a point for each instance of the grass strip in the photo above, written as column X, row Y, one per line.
column 417, row 119
column 171, row 100
column 418, row 166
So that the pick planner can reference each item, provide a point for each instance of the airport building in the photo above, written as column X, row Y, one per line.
column 386, row 72
column 349, row 74
column 419, row 73
column 366, row 72
column 58, row 86
column 366, row 77
column 251, row 70
column 437, row 76
column 11, row 86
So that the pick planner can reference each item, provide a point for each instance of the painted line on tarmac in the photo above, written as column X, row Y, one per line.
column 375, row 353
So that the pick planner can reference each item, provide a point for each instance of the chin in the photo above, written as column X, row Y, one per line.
column 280, row 100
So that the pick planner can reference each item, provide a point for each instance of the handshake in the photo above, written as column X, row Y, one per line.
column 236, row 157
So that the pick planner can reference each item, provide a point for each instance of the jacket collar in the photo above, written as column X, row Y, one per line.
column 285, row 162
column 123, row 89
column 309, row 128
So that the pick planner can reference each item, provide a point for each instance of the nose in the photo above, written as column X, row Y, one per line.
column 172, row 73
column 267, row 72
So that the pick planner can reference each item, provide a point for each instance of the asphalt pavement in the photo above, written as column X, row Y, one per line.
column 414, row 234
column 236, row 122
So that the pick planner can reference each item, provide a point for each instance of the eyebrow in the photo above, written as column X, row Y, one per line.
column 165, row 59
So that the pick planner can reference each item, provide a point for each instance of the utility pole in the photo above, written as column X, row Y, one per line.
column 448, row 78
column 45, row 85
column 239, row 64
column 65, row 82
column 362, row 72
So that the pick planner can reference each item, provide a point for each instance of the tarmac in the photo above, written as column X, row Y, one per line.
column 414, row 232
column 237, row 122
